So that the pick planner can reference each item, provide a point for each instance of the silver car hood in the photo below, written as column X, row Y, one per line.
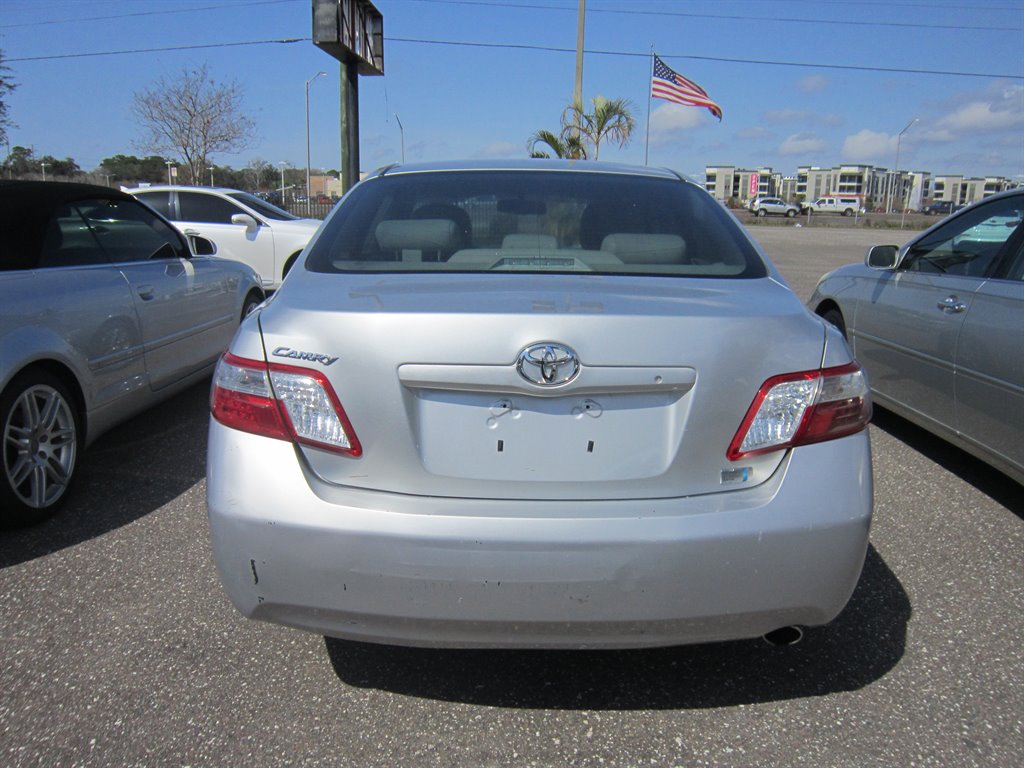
column 426, row 370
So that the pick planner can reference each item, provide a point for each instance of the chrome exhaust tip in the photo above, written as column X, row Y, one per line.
column 784, row 636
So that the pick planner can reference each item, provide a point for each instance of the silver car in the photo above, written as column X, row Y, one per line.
column 763, row 206
column 537, row 404
column 104, row 310
column 939, row 326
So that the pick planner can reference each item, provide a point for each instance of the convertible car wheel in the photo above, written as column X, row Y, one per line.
column 40, row 446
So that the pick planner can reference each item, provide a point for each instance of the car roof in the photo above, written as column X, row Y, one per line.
column 184, row 188
column 529, row 164
column 25, row 209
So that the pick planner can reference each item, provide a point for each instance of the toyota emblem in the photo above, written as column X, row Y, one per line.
column 548, row 365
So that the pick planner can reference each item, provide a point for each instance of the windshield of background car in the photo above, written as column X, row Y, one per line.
column 533, row 221
column 970, row 244
column 262, row 207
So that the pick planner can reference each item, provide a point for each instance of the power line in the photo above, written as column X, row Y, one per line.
column 620, row 11
column 247, row 5
column 731, row 17
column 158, row 50
column 547, row 49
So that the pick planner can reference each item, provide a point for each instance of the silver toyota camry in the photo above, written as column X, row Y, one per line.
column 537, row 404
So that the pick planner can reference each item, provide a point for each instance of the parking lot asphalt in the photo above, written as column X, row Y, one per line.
column 119, row 648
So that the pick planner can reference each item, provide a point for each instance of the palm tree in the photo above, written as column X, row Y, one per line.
column 567, row 146
column 611, row 119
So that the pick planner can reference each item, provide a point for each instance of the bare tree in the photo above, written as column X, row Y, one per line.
column 193, row 116
column 256, row 169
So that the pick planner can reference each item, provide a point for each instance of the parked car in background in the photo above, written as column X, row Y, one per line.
column 939, row 326
column 847, row 206
column 243, row 226
column 941, row 208
column 105, row 309
column 764, row 206
column 537, row 404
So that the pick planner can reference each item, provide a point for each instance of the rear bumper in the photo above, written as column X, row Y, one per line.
column 557, row 574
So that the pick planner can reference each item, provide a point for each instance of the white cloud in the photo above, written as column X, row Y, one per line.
column 671, row 123
column 803, row 144
column 996, row 109
column 813, row 84
column 868, row 146
column 985, row 117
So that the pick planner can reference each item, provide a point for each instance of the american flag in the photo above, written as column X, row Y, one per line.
column 668, row 84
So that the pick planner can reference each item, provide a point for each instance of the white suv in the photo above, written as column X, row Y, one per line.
column 244, row 227
column 830, row 204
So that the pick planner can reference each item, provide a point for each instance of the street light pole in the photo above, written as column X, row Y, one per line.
column 44, row 170
column 899, row 138
column 210, row 169
column 168, row 164
column 309, row 211
column 282, row 163
column 401, row 131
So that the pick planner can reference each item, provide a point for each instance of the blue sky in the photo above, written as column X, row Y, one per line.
column 459, row 100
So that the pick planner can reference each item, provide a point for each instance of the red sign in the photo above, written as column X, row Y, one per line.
column 754, row 184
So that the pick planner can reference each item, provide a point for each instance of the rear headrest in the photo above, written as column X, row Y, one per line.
column 417, row 234
column 533, row 242
column 645, row 249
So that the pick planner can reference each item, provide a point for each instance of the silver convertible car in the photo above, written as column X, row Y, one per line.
column 939, row 326
column 104, row 310
column 539, row 404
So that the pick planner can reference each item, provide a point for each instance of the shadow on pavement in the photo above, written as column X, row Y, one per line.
column 860, row 646
column 129, row 472
column 975, row 472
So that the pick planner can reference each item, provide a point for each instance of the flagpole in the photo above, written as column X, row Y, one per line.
column 647, row 139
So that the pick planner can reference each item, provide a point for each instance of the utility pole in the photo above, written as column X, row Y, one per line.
column 577, row 91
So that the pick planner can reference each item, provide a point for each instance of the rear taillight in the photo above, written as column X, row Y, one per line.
column 802, row 408
column 281, row 401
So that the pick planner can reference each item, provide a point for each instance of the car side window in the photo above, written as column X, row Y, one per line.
column 1015, row 269
column 130, row 232
column 158, row 201
column 969, row 245
column 207, row 209
column 69, row 242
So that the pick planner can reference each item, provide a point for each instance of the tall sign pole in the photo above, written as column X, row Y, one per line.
column 352, row 31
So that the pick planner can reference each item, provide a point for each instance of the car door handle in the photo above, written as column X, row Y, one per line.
column 951, row 305
column 146, row 292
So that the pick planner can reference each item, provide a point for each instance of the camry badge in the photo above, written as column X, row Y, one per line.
column 548, row 364
column 294, row 354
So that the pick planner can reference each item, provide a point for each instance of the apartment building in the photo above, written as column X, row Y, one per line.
column 880, row 189
column 727, row 182
column 962, row 191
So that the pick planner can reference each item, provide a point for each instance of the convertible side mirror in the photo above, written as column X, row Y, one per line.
column 882, row 256
column 245, row 220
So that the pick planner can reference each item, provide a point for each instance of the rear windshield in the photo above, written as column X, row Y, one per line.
column 533, row 221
